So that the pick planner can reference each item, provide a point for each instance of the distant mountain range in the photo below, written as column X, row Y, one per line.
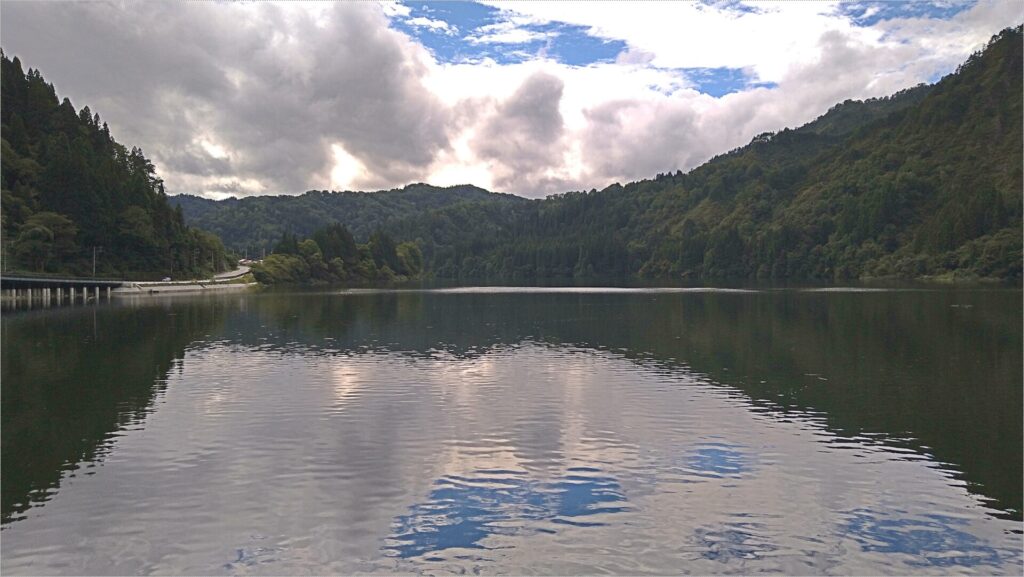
column 927, row 182
column 255, row 223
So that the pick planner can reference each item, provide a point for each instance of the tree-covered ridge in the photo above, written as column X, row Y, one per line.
column 927, row 182
column 331, row 255
column 70, row 191
column 850, row 115
column 254, row 224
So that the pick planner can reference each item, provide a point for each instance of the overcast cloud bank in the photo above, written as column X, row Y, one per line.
column 261, row 98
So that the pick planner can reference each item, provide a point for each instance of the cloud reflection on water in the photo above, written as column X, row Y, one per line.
column 461, row 512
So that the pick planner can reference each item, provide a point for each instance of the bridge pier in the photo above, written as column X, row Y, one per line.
column 28, row 293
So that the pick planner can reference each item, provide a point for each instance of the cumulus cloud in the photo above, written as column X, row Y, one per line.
column 274, row 86
column 439, row 25
column 507, row 32
column 523, row 139
column 263, row 98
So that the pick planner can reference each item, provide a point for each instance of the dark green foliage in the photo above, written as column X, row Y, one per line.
column 254, row 224
column 289, row 244
column 332, row 256
column 924, row 183
column 68, row 187
column 336, row 242
column 45, row 236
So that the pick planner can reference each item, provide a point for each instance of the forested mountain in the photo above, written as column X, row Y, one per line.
column 70, row 192
column 255, row 223
column 927, row 182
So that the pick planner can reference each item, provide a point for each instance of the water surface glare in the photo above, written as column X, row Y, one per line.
column 516, row 431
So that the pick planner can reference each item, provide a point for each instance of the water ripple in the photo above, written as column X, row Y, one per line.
column 526, row 458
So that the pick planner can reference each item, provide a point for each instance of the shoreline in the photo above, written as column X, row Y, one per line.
column 136, row 289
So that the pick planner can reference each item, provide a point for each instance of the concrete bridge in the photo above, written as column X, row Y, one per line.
column 31, row 291
column 44, row 290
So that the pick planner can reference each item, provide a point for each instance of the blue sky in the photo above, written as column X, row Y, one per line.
column 561, row 41
column 871, row 13
column 527, row 97
column 457, row 32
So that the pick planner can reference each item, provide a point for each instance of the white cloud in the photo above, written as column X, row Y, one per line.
column 506, row 32
column 694, row 35
column 394, row 8
column 268, row 99
column 441, row 25
column 635, row 118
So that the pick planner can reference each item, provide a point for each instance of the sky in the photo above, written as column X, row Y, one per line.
column 532, row 98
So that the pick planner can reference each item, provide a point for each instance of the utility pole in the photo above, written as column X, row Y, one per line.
column 94, row 250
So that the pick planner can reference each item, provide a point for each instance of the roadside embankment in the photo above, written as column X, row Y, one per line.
column 144, row 288
column 234, row 280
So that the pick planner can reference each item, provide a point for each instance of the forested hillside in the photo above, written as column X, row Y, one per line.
column 252, row 224
column 332, row 255
column 927, row 182
column 70, row 192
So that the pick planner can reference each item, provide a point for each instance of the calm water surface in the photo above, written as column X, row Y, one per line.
column 516, row 431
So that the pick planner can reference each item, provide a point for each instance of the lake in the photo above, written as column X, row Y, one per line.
column 516, row 430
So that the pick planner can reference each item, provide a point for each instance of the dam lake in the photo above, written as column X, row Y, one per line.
column 500, row 430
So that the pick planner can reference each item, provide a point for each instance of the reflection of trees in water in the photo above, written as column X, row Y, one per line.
column 941, row 367
column 938, row 371
column 73, row 377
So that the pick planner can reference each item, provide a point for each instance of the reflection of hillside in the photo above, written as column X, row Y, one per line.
column 73, row 377
column 910, row 366
column 938, row 371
